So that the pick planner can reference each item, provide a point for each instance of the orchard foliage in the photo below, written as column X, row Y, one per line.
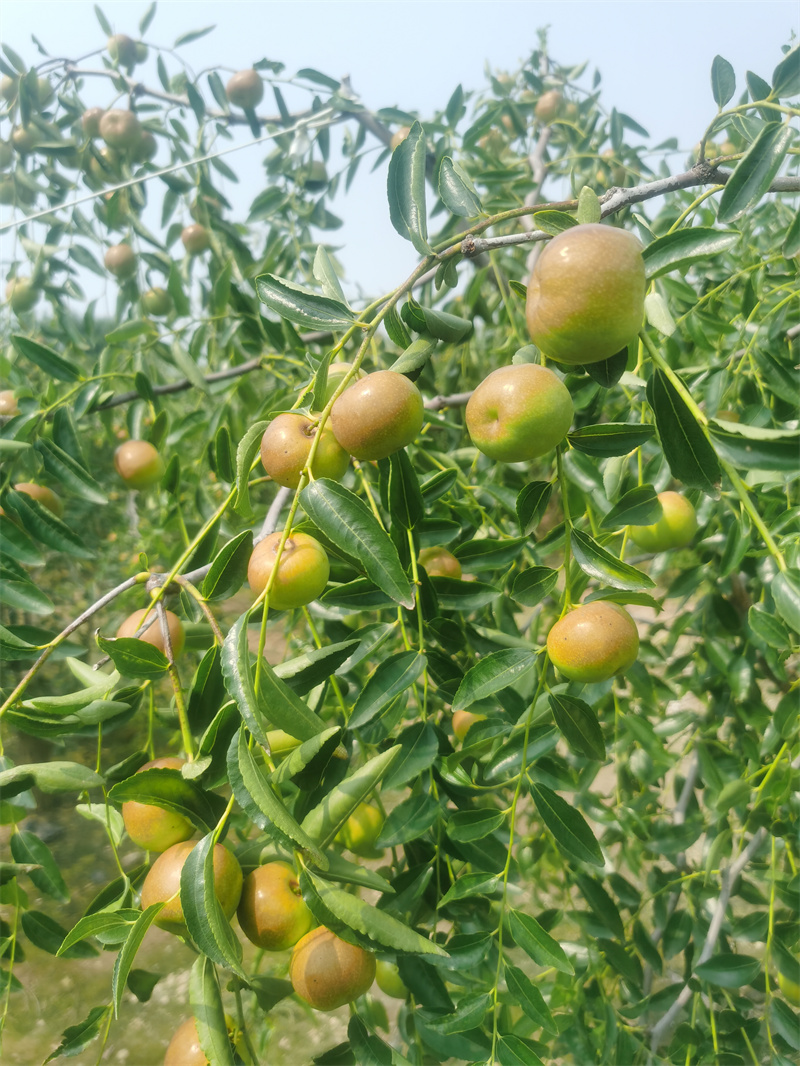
column 603, row 872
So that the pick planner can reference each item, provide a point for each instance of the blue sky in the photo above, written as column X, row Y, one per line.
column 655, row 60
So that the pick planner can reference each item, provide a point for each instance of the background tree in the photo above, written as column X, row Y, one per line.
column 595, row 863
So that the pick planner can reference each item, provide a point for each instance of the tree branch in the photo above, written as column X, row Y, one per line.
column 439, row 403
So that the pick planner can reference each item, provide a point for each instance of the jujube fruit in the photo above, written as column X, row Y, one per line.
column 120, row 129
column 272, row 911
column 46, row 497
column 302, row 574
column 122, row 49
column 120, row 260
column 138, row 463
column 378, row 415
column 674, row 529
column 157, row 302
column 195, row 238
column 586, row 294
column 463, row 722
column 328, row 972
column 360, row 832
column 90, row 120
column 8, row 403
column 389, row 980
column 153, row 635
column 22, row 294
column 245, row 89
column 25, row 139
column 336, row 371
column 145, row 149
column 790, row 989
column 184, row 1047
column 286, row 445
column 548, row 106
column 594, row 642
column 439, row 562
column 155, row 828
column 164, row 880
column 519, row 412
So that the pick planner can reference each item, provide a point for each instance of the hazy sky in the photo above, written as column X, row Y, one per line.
column 655, row 59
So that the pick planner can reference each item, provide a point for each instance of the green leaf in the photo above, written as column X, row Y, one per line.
column 18, row 592
column 17, row 544
column 476, row 556
column 553, row 222
column 439, row 324
column 350, row 525
column 457, row 191
column 77, row 1037
column 13, row 647
column 419, row 746
column 496, row 671
column 349, row 873
column 531, row 586
column 531, row 505
column 324, row 821
column 770, row 629
column 610, row 438
column 638, row 507
column 390, row 678
column 754, row 171
column 785, row 1022
column 202, row 911
column 229, row 568
column 124, row 961
column 256, row 796
column 588, row 206
column 360, row 916
column 192, row 35
column 756, row 448
column 245, row 454
column 691, row 457
column 658, row 315
column 44, row 526
column 456, row 595
column 303, row 306
column 607, row 372
column 470, row 885
column 320, row 79
column 675, row 251
column 723, row 81
column 134, row 657
column 409, row 820
column 26, row 847
column 602, row 565
column 728, row 971
column 514, row 1051
column 167, row 788
column 405, row 498
column 785, row 590
column 99, row 924
column 46, row 934
column 579, row 724
column 466, row 826
column 69, row 472
column 325, row 273
column 537, row 943
column 51, row 777
column 406, row 190
column 304, row 672
column 602, row 905
column 45, row 358
column 530, row 999
column 369, row 1049
column 568, row 826
column 130, row 330
column 786, row 76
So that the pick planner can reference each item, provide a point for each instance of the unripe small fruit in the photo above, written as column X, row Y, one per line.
column 389, row 980
column 25, row 139
column 152, row 827
column 519, row 412
column 46, row 497
column 548, row 106
column 8, row 403
column 286, row 445
column 594, row 642
column 463, row 721
column 272, row 911
column 675, row 529
column 153, row 635
column 9, row 88
column 281, row 743
column 145, row 149
column 90, row 120
column 122, row 49
column 120, row 260
column 195, row 238
column 361, row 831
column 157, row 302
column 439, row 562
column 120, row 129
column 142, row 52
column 44, row 92
column 328, row 972
column 22, row 294
column 164, row 880
column 302, row 573
column 245, row 89
column 378, row 415
column 138, row 463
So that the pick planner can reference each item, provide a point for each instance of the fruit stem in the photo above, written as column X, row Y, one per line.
column 197, row 596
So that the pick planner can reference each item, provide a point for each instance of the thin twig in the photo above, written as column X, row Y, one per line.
column 439, row 403
column 273, row 514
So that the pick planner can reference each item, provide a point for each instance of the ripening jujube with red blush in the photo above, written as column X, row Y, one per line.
column 327, row 972
column 302, row 572
column 195, row 238
column 120, row 260
column 594, row 642
column 287, row 443
column 164, row 880
column 138, row 463
column 43, row 495
column 272, row 912
column 378, row 415
column 153, row 634
column 151, row 827
column 120, row 129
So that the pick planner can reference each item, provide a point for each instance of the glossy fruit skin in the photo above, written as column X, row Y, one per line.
column 302, row 574
column 120, row 260
column 8, row 403
column 595, row 642
column 22, row 294
column 122, row 49
column 154, row 828
column 439, row 562
column 139, row 464
column 328, row 972
column 157, row 302
column 519, row 412
column 675, row 529
column 463, row 720
column 548, row 106
column 272, row 911
column 586, row 294
column 164, row 880
column 120, row 129
column 195, row 238
column 281, row 744
column 389, row 980
column 153, row 634
column 245, row 89
column 336, row 371
column 361, row 831
column 184, row 1047
column 90, row 121
column 46, row 497
column 286, row 444
column 378, row 415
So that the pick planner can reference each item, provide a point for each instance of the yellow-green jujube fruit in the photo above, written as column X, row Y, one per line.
column 22, row 294
column 157, row 302
column 245, row 89
column 120, row 129
column 378, row 415
column 360, row 832
column 120, row 260
column 674, row 529
column 328, row 972
column 151, row 827
column 122, row 49
column 139, row 463
column 302, row 572
column 389, row 980
column 586, row 294
column 463, row 722
column 163, row 881
column 439, row 562
column 548, row 106
column 46, row 497
column 286, row 445
column 594, row 642
column 272, row 911
column 519, row 412
column 195, row 238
